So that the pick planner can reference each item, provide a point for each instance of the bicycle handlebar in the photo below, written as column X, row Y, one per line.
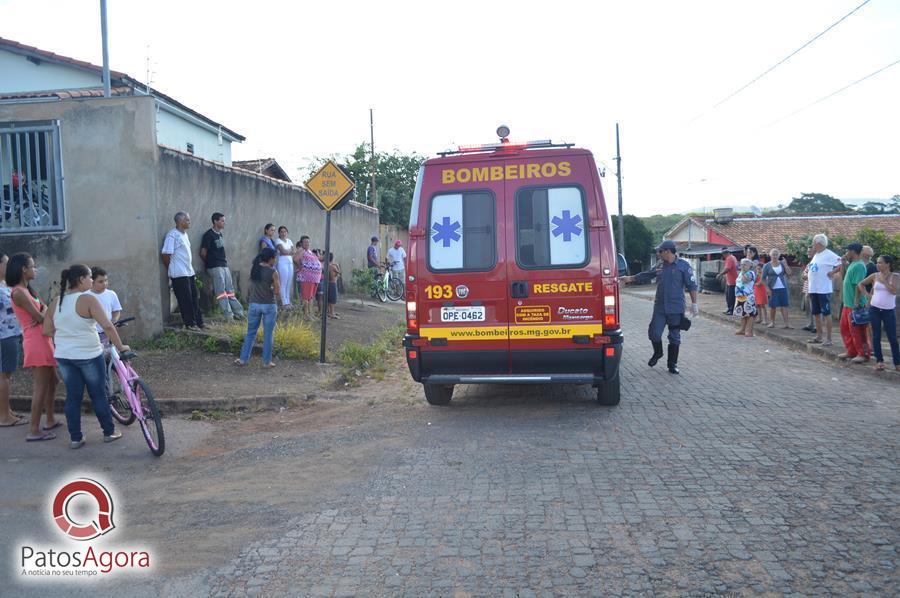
column 124, row 321
column 127, row 355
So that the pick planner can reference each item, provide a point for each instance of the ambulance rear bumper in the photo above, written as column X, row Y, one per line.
column 512, row 379
column 589, row 365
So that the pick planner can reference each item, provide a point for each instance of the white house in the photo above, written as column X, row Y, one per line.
column 28, row 74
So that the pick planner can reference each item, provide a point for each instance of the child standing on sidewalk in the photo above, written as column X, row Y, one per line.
column 334, row 272
column 760, row 294
column 745, row 304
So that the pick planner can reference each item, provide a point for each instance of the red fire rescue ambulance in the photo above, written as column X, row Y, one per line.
column 512, row 271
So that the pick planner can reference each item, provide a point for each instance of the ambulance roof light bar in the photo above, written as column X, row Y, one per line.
column 507, row 146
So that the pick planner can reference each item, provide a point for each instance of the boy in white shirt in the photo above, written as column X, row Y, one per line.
column 107, row 298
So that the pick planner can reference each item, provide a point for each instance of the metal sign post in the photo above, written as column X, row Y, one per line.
column 331, row 188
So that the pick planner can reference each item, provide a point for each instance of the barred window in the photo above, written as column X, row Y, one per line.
column 30, row 178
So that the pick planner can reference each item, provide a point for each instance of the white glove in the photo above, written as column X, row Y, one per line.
column 695, row 309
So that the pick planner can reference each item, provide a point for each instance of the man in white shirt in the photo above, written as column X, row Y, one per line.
column 107, row 298
column 825, row 263
column 397, row 259
column 176, row 255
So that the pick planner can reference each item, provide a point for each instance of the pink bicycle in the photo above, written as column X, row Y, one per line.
column 130, row 398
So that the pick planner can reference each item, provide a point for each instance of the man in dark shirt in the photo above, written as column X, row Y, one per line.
column 674, row 277
column 212, row 251
column 372, row 254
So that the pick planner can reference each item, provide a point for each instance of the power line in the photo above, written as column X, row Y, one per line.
column 780, row 62
column 834, row 93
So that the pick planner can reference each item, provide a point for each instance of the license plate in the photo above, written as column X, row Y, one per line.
column 462, row 314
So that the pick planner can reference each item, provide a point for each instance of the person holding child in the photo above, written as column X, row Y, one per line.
column 745, row 304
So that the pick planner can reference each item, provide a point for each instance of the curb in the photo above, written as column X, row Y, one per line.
column 176, row 406
column 810, row 349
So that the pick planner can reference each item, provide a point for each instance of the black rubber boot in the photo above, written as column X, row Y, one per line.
column 657, row 353
column 673, row 359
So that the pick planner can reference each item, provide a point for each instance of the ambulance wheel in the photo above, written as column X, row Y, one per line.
column 608, row 392
column 437, row 394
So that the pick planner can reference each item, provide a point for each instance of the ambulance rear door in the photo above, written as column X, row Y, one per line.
column 462, row 290
column 553, row 267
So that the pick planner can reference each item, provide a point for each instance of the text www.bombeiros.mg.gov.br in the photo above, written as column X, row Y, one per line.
column 499, row 333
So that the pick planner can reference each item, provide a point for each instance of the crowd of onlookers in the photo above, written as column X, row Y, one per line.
column 280, row 270
column 756, row 289
column 69, row 336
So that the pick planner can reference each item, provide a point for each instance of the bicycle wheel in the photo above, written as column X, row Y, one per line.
column 395, row 289
column 381, row 291
column 118, row 402
column 152, row 423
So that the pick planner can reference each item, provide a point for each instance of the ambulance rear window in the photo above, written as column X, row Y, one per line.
column 462, row 232
column 550, row 229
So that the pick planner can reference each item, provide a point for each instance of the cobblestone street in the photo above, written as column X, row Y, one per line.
column 758, row 470
column 773, row 477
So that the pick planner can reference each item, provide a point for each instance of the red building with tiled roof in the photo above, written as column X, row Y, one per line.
column 697, row 236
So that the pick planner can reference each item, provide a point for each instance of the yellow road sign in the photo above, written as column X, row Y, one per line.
column 329, row 186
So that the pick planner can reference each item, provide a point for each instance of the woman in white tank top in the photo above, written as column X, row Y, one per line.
column 882, row 308
column 71, row 319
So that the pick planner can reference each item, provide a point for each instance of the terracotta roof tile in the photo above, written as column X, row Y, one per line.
column 267, row 166
column 67, row 94
column 18, row 48
column 117, row 78
column 768, row 232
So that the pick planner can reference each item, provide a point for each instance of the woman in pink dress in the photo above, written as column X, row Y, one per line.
column 29, row 310
column 309, row 273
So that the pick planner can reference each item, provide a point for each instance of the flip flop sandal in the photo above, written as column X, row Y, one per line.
column 44, row 436
column 19, row 422
column 53, row 427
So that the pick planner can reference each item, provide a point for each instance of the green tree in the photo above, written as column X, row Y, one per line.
column 880, row 242
column 638, row 239
column 873, row 207
column 891, row 206
column 816, row 202
column 659, row 224
column 395, row 179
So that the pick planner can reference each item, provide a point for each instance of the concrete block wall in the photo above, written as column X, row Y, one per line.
column 250, row 201
column 109, row 156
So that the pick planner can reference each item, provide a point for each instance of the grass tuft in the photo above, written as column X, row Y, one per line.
column 357, row 359
column 294, row 338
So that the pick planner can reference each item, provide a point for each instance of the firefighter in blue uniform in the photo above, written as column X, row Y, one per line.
column 674, row 276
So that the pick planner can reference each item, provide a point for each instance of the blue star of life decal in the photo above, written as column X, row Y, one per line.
column 446, row 232
column 567, row 226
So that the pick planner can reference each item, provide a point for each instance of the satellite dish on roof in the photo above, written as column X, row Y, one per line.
column 756, row 211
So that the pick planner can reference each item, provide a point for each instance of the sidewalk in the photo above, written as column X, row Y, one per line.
column 713, row 304
column 188, row 378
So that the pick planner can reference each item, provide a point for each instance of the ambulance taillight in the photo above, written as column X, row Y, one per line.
column 610, row 307
column 412, row 319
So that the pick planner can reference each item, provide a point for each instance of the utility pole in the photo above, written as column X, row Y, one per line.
column 106, row 90
column 372, row 161
column 621, row 245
